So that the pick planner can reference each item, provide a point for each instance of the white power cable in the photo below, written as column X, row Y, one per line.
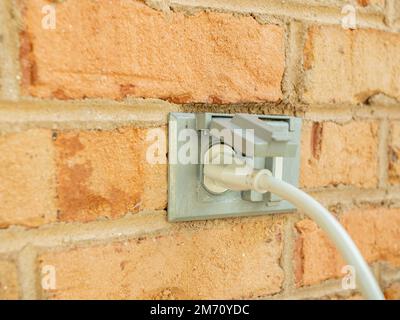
column 242, row 177
column 335, row 231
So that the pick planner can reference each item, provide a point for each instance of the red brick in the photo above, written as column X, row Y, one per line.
column 393, row 292
column 105, row 173
column 80, row 174
column 116, row 48
column 365, row 3
column 376, row 232
column 9, row 287
column 226, row 259
column 27, row 178
column 349, row 66
column 334, row 154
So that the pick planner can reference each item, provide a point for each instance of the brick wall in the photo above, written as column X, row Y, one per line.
column 77, row 101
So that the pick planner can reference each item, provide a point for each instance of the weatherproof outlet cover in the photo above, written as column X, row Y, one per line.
column 188, row 199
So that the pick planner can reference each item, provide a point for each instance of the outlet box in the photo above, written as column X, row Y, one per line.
column 190, row 136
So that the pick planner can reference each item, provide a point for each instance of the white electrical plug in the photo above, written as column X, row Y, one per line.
column 224, row 170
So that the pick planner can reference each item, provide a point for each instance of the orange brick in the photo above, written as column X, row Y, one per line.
column 27, row 178
column 334, row 154
column 365, row 3
column 344, row 297
column 349, row 66
column 226, row 259
column 9, row 288
column 376, row 232
column 82, row 175
column 105, row 173
column 393, row 292
column 394, row 153
column 125, row 48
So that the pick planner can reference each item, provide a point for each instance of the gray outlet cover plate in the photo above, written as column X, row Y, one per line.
column 189, row 200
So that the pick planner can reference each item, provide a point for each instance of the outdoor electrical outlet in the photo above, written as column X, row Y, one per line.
column 267, row 142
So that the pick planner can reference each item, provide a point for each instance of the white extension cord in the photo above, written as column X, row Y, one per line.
column 240, row 176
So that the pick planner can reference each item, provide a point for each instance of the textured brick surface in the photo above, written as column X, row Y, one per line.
column 335, row 154
column 78, row 175
column 141, row 52
column 393, row 292
column 365, row 3
column 9, row 288
column 231, row 259
column 105, row 173
column 394, row 153
column 376, row 232
column 27, row 178
column 344, row 66
column 185, row 51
